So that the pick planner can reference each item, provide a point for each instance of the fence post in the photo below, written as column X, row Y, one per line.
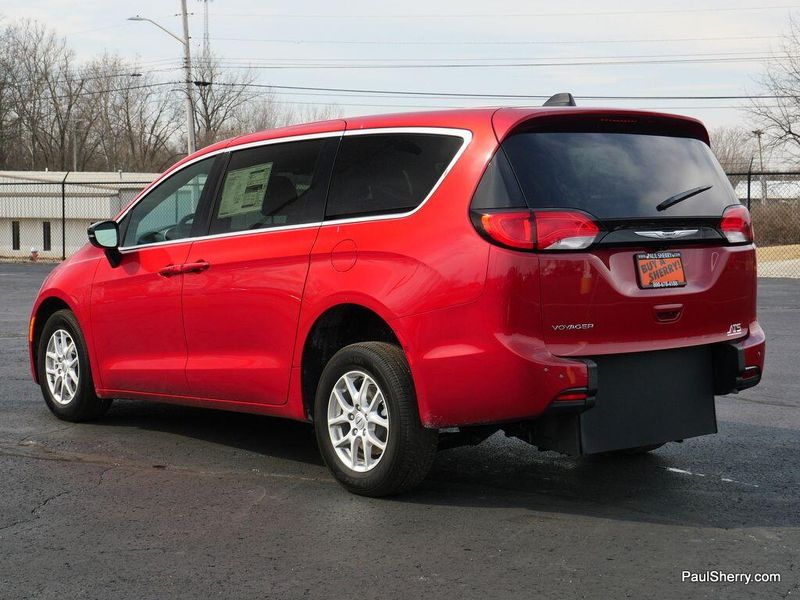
column 749, row 181
column 64, row 216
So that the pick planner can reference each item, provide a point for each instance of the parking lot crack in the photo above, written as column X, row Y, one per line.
column 41, row 505
column 34, row 511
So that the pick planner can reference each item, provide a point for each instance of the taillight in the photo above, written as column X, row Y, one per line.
column 564, row 230
column 736, row 226
column 515, row 229
column 537, row 230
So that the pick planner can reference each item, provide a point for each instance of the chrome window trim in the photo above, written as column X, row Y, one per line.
column 464, row 134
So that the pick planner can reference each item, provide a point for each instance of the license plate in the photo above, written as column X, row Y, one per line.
column 660, row 270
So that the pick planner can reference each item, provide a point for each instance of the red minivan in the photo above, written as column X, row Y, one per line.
column 583, row 279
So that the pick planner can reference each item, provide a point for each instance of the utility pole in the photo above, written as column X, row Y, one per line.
column 187, row 67
column 758, row 133
column 191, row 142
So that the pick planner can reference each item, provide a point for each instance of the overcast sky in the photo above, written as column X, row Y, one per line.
column 737, row 35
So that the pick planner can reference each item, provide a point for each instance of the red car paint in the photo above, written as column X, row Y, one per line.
column 479, row 323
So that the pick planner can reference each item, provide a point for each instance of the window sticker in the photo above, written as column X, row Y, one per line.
column 244, row 190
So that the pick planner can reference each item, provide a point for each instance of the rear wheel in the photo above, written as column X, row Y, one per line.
column 64, row 373
column 367, row 422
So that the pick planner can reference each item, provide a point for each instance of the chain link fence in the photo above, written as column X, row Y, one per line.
column 774, row 202
column 47, row 220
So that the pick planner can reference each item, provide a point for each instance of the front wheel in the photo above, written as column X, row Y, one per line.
column 64, row 373
column 367, row 423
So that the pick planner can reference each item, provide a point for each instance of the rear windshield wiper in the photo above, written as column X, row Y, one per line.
column 672, row 200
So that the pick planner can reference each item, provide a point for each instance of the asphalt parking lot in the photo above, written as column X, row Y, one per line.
column 158, row 501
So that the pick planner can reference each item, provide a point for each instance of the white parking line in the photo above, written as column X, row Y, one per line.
column 722, row 479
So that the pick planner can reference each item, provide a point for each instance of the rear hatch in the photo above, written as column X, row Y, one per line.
column 642, row 243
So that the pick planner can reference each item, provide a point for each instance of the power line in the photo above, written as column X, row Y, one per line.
column 508, row 65
column 294, row 41
column 505, row 15
column 503, row 96
column 120, row 89
column 441, row 95
column 252, row 60
column 444, row 107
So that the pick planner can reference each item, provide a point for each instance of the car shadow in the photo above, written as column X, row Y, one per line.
column 717, row 481
column 267, row 436
column 691, row 484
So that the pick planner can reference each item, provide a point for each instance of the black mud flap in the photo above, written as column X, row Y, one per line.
column 643, row 399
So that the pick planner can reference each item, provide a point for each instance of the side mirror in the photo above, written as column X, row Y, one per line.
column 105, row 235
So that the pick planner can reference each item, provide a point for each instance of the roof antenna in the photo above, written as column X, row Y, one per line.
column 562, row 99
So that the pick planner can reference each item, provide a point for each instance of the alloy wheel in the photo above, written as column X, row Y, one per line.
column 62, row 367
column 358, row 421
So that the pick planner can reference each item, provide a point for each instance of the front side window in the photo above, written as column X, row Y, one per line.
column 167, row 213
column 275, row 185
column 387, row 173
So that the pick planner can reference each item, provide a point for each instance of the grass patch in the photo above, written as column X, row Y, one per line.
column 786, row 252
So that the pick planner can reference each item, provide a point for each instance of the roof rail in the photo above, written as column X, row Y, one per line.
column 562, row 99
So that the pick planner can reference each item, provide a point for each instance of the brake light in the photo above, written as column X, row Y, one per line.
column 564, row 230
column 736, row 225
column 515, row 229
column 537, row 230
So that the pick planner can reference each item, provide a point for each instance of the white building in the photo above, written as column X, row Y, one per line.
column 780, row 189
column 32, row 206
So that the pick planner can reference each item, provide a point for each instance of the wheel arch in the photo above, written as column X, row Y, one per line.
column 336, row 327
column 44, row 310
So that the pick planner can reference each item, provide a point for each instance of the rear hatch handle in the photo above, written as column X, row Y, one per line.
column 667, row 313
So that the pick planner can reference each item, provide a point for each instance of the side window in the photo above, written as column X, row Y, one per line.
column 498, row 187
column 167, row 213
column 272, row 186
column 387, row 173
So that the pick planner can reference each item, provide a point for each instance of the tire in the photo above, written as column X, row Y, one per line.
column 67, row 400
column 409, row 448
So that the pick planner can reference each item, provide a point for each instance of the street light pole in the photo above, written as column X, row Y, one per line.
column 187, row 67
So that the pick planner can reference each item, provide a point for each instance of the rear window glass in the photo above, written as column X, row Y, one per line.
column 618, row 175
column 387, row 173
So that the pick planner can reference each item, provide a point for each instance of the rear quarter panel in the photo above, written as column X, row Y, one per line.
column 424, row 262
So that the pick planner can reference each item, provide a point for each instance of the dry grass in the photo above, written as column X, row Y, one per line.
column 787, row 252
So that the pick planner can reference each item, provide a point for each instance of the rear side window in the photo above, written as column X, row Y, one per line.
column 498, row 188
column 378, row 174
column 271, row 186
column 618, row 175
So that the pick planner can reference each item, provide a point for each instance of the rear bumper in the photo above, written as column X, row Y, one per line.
column 649, row 398
column 739, row 365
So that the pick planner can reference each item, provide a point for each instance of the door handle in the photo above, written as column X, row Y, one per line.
column 195, row 267
column 170, row 270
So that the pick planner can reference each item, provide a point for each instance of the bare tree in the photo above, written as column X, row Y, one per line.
column 221, row 98
column 779, row 118
column 734, row 148
column 44, row 90
column 266, row 112
column 305, row 113
column 104, row 115
column 262, row 112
